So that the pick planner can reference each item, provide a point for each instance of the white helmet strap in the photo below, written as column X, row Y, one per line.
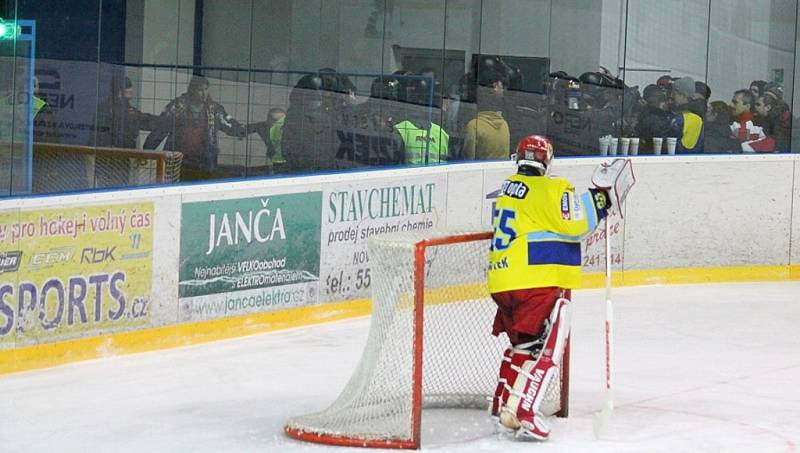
column 535, row 164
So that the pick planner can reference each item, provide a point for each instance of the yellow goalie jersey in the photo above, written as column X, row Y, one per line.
column 538, row 226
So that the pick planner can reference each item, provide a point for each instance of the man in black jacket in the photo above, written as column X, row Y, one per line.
column 654, row 120
column 190, row 123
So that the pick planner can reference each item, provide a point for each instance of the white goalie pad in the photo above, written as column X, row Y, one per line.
column 535, row 375
column 617, row 177
column 561, row 320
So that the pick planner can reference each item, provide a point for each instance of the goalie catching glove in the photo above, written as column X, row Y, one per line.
column 602, row 202
column 615, row 179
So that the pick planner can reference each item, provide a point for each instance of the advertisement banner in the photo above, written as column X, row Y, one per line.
column 74, row 272
column 72, row 92
column 354, row 212
column 249, row 255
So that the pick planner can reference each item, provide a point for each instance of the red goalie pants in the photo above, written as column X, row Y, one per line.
column 521, row 312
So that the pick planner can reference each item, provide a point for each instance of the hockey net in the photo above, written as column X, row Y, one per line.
column 429, row 344
column 59, row 168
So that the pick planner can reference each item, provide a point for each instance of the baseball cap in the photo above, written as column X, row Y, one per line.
column 684, row 86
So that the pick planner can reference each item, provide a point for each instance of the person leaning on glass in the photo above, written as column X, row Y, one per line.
column 190, row 123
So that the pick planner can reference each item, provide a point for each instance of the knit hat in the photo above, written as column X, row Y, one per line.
column 775, row 89
column 684, row 86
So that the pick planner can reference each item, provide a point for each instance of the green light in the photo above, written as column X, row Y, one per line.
column 8, row 30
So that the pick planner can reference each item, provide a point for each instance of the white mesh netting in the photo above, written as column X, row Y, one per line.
column 460, row 356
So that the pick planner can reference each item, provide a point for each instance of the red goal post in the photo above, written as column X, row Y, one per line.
column 429, row 345
column 60, row 167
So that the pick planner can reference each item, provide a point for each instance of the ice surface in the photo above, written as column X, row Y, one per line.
column 699, row 368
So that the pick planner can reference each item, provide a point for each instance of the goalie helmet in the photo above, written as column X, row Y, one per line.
column 535, row 151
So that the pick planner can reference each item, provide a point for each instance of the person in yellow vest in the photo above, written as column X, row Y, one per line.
column 534, row 262
column 276, row 117
column 487, row 136
column 271, row 133
column 687, row 125
column 425, row 142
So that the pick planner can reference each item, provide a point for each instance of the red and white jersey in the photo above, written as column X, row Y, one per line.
column 752, row 137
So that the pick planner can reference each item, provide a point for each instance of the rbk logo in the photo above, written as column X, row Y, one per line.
column 91, row 255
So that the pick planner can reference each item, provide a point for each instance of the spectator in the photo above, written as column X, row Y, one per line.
column 775, row 89
column 602, row 95
column 430, row 75
column 780, row 115
column 487, row 135
column 687, row 124
column 424, row 141
column 654, row 119
column 757, row 87
column 309, row 141
column 568, row 116
column 751, row 137
column 119, row 122
column 367, row 136
column 118, row 126
column 581, row 110
column 666, row 82
column 190, row 124
column 717, row 125
column 275, row 118
column 699, row 101
column 523, row 109
column 271, row 133
column 702, row 91
column 769, row 117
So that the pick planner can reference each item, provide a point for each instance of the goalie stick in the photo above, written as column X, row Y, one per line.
column 616, row 177
column 601, row 418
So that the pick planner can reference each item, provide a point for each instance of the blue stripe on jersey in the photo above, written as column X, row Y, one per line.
column 591, row 212
column 554, row 252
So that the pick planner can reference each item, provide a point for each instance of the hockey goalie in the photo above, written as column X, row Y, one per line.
column 535, row 261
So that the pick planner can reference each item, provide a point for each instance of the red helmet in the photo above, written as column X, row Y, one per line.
column 535, row 151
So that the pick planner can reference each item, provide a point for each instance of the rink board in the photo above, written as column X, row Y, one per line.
column 261, row 255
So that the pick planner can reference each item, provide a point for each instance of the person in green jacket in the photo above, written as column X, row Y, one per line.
column 425, row 142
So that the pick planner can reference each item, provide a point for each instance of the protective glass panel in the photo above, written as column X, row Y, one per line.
column 18, row 105
column 751, row 47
